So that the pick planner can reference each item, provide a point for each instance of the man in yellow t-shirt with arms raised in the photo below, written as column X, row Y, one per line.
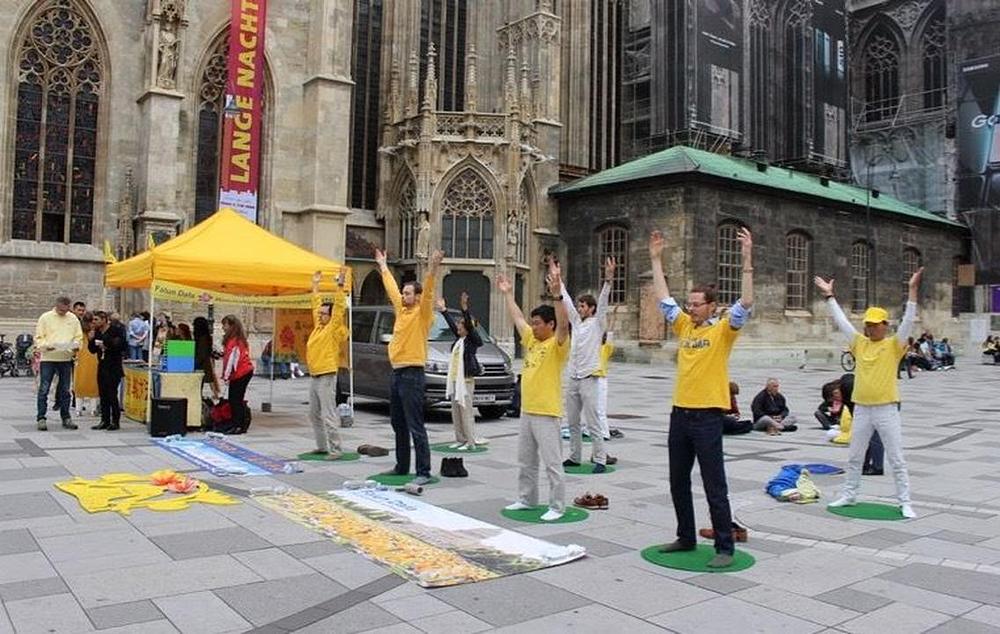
column 701, row 396
column 546, row 348
column 876, row 393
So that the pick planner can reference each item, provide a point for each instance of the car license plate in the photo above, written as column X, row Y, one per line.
column 484, row 398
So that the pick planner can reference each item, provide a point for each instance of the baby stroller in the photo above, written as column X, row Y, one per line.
column 22, row 358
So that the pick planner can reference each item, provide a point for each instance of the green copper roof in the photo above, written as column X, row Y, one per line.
column 684, row 160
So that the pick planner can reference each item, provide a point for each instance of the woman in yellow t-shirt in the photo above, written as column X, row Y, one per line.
column 85, row 371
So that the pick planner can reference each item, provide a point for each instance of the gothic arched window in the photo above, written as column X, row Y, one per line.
column 861, row 253
column 797, row 255
column 760, row 73
column 408, row 227
column 211, row 97
column 60, row 77
column 932, row 44
column 880, row 68
column 467, row 215
column 911, row 262
column 730, row 263
column 797, row 19
column 612, row 241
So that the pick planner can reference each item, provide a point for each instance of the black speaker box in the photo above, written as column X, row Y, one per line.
column 168, row 417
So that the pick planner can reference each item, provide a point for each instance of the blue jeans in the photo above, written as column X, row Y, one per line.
column 697, row 433
column 48, row 371
column 406, row 409
column 135, row 352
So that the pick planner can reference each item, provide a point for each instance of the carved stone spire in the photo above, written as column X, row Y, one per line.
column 430, row 82
column 413, row 85
column 125, row 245
column 510, row 83
column 526, row 101
column 392, row 103
column 471, row 82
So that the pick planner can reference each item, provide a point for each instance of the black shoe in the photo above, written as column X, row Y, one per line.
column 69, row 424
column 113, row 427
column 570, row 463
column 676, row 547
column 101, row 425
column 392, row 472
column 616, row 434
column 872, row 472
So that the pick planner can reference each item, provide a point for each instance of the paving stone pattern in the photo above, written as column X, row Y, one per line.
column 245, row 568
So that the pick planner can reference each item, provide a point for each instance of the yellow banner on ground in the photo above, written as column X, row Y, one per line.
column 170, row 291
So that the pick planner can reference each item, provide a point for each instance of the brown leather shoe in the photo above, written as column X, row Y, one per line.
column 739, row 533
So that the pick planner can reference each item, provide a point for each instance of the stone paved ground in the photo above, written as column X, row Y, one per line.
column 231, row 569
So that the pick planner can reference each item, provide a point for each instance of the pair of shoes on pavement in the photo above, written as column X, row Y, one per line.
column 42, row 424
column 106, row 427
column 721, row 560
column 593, row 501
column 550, row 515
column 610, row 460
column 739, row 533
column 373, row 451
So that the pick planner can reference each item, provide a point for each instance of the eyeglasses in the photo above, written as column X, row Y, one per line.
column 690, row 305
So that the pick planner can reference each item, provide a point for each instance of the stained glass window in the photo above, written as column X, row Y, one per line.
column 467, row 218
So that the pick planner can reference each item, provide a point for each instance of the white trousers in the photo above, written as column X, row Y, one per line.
column 581, row 409
column 602, row 406
column 886, row 420
column 539, row 437
column 463, row 415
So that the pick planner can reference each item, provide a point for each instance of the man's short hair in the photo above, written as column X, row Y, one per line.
column 102, row 314
column 545, row 312
column 588, row 299
column 79, row 303
column 62, row 300
column 708, row 290
column 418, row 288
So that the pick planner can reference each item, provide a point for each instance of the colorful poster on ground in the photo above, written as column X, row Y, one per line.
column 429, row 545
column 242, row 132
column 221, row 457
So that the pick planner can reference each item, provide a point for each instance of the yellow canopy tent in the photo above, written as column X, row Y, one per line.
column 228, row 254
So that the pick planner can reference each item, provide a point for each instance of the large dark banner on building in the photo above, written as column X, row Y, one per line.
column 718, row 64
column 978, row 131
column 830, row 78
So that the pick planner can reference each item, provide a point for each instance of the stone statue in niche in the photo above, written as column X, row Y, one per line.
column 167, row 66
column 423, row 236
column 512, row 233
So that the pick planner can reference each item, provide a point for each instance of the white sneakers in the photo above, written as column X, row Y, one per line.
column 907, row 511
column 516, row 506
column 482, row 441
column 842, row 501
column 454, row 445
column 551, row 515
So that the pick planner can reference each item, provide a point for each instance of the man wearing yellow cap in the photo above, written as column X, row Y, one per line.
column 876, row 394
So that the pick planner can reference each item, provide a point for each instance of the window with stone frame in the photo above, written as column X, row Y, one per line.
column 408, row 220
column 911, row 262
column 730, row 264
column 880, row 69
column 932, row 43
column 210, row 121
column 612, row 242
column 798, row 256
column 60, row 83
column 861, row 253
column 467, row 217
column 760, row 73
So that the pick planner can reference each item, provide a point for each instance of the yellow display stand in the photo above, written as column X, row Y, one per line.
column 184, row 385
column 136, row 392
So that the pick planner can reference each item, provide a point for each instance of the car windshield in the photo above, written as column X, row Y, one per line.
column 441, row 332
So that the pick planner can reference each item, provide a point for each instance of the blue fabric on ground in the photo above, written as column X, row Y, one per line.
column 818, row 468
column 785, row 480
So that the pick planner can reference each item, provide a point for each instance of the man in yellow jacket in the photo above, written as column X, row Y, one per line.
column 323, row 359
column 58, row 336
column 414, row 309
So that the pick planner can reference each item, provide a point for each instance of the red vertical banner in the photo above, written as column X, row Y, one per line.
column 239, row 173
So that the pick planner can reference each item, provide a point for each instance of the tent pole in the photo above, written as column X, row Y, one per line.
column 274, row 348
column 149, row 366
column 350, row 347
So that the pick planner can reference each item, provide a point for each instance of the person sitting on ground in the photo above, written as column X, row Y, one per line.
column 943, row 353
column 770, row 412
column 733, row 423
column 828, row 412
column 915, row 357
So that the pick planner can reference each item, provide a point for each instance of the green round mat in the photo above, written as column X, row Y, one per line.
column 397, row 480
column 869, row 511
column 445, row 447
column 695, row 560
column 534, row 515
column 586, row 469
column 347, row 456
